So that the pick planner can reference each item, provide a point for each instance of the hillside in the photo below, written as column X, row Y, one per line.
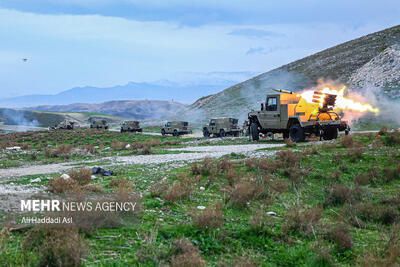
column 135, row 109
column 32, row 118
column 372, row 60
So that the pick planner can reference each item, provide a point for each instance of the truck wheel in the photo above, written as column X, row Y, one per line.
column 254, row 131
column 175, row 133
column 236, row 134
column 285, row 134
column 296, row 133
column 163, row 132
column 330, row 134
column 222, row 133
column 206, row 133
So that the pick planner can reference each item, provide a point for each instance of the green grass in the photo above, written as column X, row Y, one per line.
column 269, row 246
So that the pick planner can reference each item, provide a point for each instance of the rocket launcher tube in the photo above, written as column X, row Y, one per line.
column 283, row 91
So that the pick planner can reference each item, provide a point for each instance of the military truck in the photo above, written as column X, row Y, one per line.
column 64, row 125
column 288, row 113
column 99, row 124
column 221, row 127
column 176, row 128
column 131, row 126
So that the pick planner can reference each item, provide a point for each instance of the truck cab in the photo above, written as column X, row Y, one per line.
column 288, row 113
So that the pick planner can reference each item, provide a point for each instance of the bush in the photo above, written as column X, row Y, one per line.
column 56, row 247
column 289, row 142
column 186, row 254
column 341, row 236
column 62, row 151
column 60, row 185
column 361, row 179
column 180, row 189
column 212, row 217
column 347, row 141
column 340, row 194
column 391, row 174
column 288, row 158
column 243, row 192
column 303, row 220
column 82, row 176
column 115, row 144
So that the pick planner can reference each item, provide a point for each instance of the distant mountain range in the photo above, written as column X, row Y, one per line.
column 186, row 90
column 135, row 109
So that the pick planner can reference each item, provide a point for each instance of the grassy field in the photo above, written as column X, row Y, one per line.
column 326, row 204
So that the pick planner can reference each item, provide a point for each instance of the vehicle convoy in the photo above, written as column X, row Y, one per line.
column 222, row 127
column 99, row 124
column 288, row 113
column 131, row 126
column 176, row 128
column 65, row 125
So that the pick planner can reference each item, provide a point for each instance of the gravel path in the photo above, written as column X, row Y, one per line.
column 198, row 154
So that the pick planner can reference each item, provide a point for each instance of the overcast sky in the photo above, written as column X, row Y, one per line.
column 72, row 43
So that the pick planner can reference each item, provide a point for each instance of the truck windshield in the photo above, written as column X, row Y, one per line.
column 271, row 104
column 212, row 122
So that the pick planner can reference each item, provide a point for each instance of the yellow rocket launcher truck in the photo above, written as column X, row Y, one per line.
column 288, row 113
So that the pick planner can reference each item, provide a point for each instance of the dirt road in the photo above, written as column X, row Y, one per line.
column 188, row 154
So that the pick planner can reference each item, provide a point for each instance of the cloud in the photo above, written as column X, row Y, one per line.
column 265, row 51
column 211, row 12
column 255, row 33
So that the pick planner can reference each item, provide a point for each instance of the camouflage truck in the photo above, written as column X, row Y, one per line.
column 64, row 125
column 131, row 126
column 99, row 124
column 222, row 127
column 288, row 113
column 176, row 128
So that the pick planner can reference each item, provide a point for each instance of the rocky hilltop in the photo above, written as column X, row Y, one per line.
column 372, row 60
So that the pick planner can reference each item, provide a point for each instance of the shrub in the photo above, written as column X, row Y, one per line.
column 391, row 174
column 212, row 217
column 373, row 213
column 186, row 254
column 288, row 158
column 303, row 220
column 115, row 144
column 63, row 151
column 347, row 141
column 158, row 189
column 60, row 185
column 391, row 139
column 341, row 194
column 225, row 165
column 82, row 176
column 389, row 256
column 242, row 193
column 361, row 179
column 355, row 153
column 180, row 189
column 295, row 174
column 146, row 150
column 289, row 142
column 90, row 149
column 56, row 247
column 232, row 176
column 93, row 188
column 341, row 236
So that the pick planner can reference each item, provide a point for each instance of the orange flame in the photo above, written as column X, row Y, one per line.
column 342, row 103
